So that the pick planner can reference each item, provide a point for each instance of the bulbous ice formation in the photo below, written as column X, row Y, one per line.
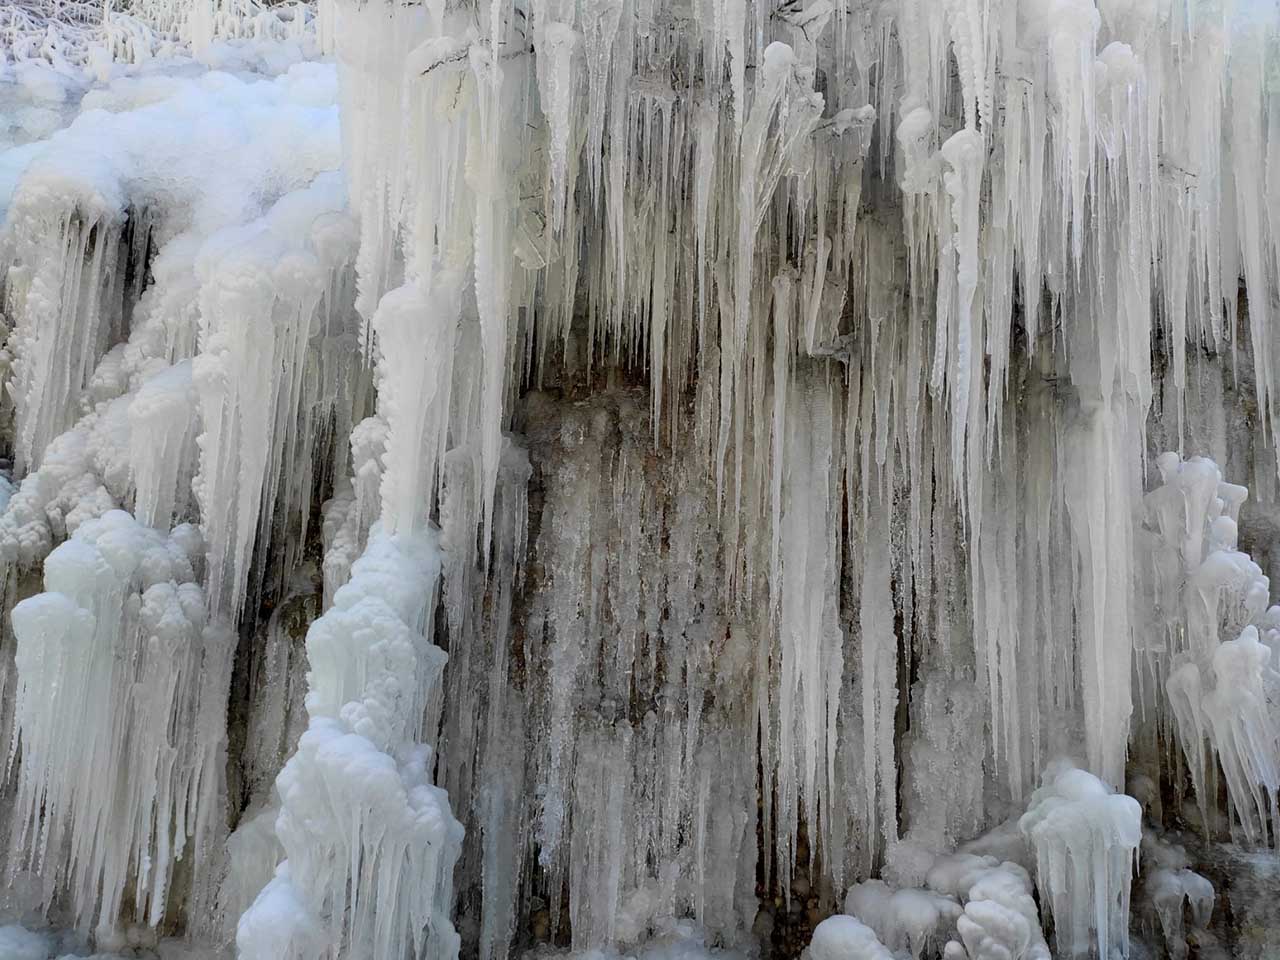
column 1086, row 840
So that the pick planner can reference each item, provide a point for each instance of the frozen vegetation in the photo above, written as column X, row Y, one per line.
column 662, row 479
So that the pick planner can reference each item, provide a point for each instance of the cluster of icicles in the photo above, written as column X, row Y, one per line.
column 75, row 35
column 913, row 290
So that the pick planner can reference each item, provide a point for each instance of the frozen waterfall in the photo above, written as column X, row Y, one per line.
column 640, row 478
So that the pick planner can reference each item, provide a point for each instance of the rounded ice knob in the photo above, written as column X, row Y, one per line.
column 1223, row 534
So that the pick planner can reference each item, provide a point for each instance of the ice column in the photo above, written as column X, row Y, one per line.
column 370, row 842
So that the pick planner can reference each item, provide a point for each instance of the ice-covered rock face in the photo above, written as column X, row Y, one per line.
column 718, row 455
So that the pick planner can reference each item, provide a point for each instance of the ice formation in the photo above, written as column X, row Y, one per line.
column 369, row 842
column 1086, row 842
column 636, row 477
column 1220, row 684
column 1175, row 895
column 119, row 663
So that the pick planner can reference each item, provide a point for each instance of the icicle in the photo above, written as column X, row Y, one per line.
column 64, row 325
column 809, row 634
column 416, row 337
column 879, row 678
column 1099, row 497
column 249, row 374
column 161, row 441
column 964, row 153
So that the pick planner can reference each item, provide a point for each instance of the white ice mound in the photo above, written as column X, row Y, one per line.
column 844, row 938
column 1086, row 839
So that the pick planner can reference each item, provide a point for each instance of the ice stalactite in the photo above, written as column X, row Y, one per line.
column 879, row 687
column 1049, row 170
column 1172, row 892
column 1102, row 487
column 904, row 920
column 162, row 424
column 67, row 317
column 809, row 633
column 418, row 338
column 79, row 233
column 122, row 387
column 368, row 867
column 252, row 377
